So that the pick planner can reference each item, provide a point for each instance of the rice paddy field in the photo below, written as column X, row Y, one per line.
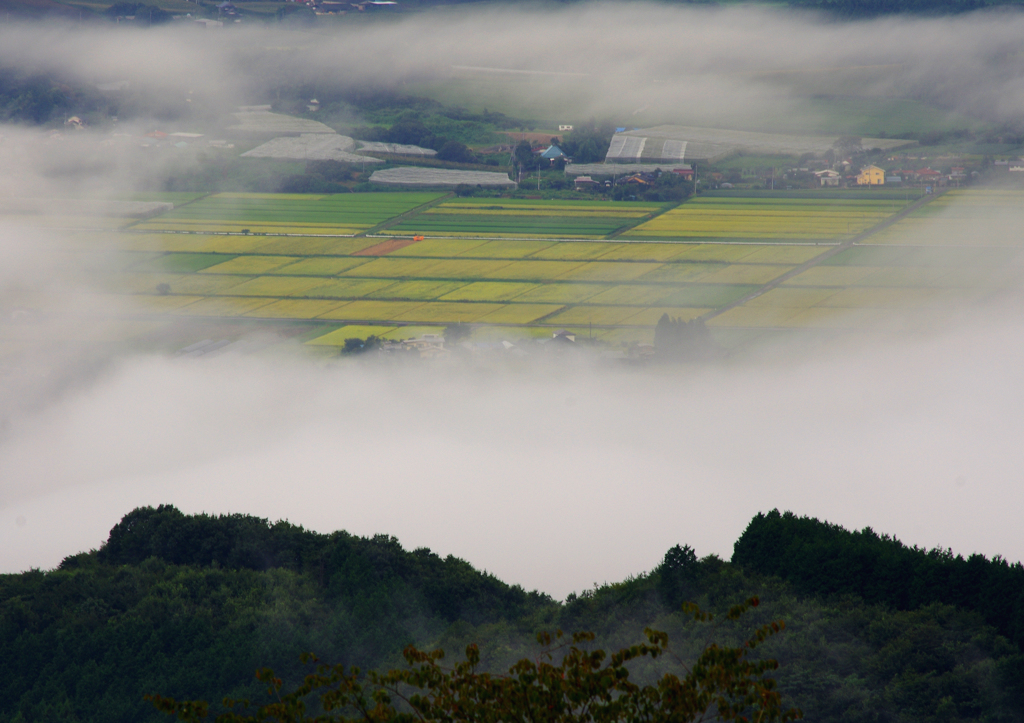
column 802, row 220
column 528, row 218
column 965, row 246
column 338, row 214
column 747, row 265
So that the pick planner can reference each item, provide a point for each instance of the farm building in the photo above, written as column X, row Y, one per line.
column 584, row 182
column 676, row 143
column 258, row 119
column 615, row 169
column 871, row 176
column 311, row 147
column 398, row 149
column 552, row 153
column 828, row 177
column 416, row 177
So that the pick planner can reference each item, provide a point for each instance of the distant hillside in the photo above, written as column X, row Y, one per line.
column 191, row 605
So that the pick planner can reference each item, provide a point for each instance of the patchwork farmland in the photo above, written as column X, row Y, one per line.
column 746, row 265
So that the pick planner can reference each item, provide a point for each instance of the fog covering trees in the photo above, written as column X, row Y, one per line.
column 190, row 605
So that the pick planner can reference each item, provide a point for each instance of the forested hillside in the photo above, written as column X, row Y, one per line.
column 823, row 559
column 190, row 606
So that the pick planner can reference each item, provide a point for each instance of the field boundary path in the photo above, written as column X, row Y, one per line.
column 403, row 216
column 824, row 256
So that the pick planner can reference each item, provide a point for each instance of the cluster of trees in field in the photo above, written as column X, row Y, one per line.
column 189, row 606
column 681, row 339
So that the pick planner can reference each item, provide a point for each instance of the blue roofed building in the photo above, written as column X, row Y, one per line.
column 552, row 153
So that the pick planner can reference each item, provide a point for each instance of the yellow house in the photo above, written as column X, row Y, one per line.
column 871, row 176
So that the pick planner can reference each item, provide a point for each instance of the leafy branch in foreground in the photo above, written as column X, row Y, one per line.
column 582, row 687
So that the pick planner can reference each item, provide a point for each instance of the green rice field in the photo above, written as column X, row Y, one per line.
column 488, row 217
column 337, row 214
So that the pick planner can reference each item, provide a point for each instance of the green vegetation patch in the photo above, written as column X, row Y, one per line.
column 362, row 210
column 524, row 217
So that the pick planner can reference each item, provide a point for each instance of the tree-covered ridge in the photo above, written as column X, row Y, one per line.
column 190, row 605
column 819, row 558
column 344, row 566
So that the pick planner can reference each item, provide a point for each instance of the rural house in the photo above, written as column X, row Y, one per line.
column 871, row 176
column 552, row 153
column 828, row 177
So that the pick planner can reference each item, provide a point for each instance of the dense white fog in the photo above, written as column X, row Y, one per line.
column 553, row 480
column 611, row 59
column 551, row 477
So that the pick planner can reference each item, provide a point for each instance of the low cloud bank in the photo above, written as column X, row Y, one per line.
column 553, row 480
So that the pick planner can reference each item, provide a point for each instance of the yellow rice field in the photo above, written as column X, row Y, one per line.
column 250, row 265
column 295, row 309
column 518, row 313
column 448, row 312
column 222, row 306
column 528, row 270
column 563, row 293
column 416, row 290
column 766, row 219
column 593, row 315
column 508, row 249
column 276, row 286
column 630, row 294
column 371, row 310
column 610, row 271
column 348, row 288
column 650, row 316
column 320, row 266
column 488, row 291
